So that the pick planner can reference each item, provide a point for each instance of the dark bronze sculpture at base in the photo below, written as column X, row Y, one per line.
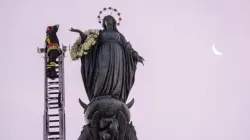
column 107, row 119
column 108, row 67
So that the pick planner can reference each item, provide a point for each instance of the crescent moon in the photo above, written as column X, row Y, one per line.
column 216, row 52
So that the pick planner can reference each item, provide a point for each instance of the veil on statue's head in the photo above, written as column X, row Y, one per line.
column 109, row 17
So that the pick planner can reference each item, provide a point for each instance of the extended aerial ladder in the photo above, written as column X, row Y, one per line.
column 54, row 100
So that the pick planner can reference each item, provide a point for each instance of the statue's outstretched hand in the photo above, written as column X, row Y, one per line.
column 75, row 30
column 138, row 58
column 72, row 29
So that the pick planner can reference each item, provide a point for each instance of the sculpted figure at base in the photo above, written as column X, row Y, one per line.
column 108, row 73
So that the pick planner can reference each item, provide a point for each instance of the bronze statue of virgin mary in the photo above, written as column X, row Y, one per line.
column 108, row 67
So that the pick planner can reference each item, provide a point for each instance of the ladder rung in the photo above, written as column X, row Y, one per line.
column 53, row 115
column 53, row 103
column 54, row 133
column 54, row 126
column 53, row 98
column 53, row 120
column 57, row 138
column 53, row 93
column 53, row 88
column 53, row 83
column 53, row 107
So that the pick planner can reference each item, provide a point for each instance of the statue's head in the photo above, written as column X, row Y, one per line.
column 109, row 21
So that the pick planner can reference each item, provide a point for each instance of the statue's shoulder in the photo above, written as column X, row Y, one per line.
column 92, row 31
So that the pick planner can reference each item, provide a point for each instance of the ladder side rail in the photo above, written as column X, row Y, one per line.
column 45, row 118
column 61, row 132
column 60, row 95
column 61, row 110
column 63, row 97
column 44, row 127
column 63, row 92
column 62, row 79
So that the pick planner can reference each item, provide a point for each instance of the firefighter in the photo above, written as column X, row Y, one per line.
column 53, row 50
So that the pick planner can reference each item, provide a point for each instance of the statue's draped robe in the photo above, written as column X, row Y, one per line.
column 109, row 68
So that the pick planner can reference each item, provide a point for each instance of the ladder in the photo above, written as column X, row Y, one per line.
column 54, row 101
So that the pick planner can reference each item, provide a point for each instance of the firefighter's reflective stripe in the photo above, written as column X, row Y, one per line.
column 53, row 48
column 51, row 64
column 47, row 39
